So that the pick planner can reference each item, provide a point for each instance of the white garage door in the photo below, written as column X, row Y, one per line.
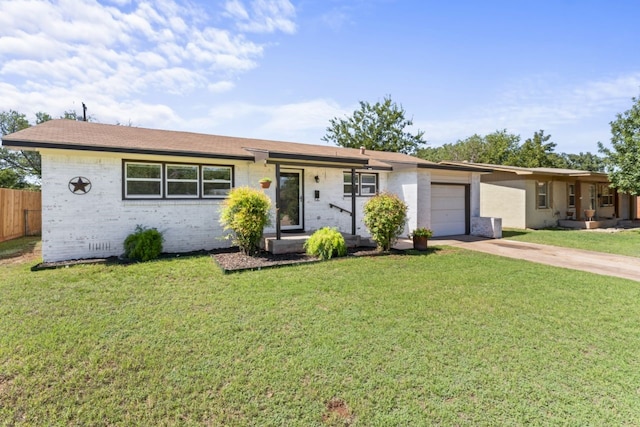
column 448, row 210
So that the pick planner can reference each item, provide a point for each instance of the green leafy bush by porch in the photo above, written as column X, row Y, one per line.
column 246, row 212
column 385, row 216
column 326, row 243
column 144, row 244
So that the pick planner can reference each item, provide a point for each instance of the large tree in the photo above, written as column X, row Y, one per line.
column 380, row 126
column 19, row 167
column 496, row 148
column 537, row 152
column 622, row 160
column 584, row 161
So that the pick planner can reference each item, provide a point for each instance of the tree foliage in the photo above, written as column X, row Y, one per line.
column 17, row 167
column 380, row 126
column 622, row 160
column 537, row 152
column 503, row 148
column 584, row 161
column 498, row 148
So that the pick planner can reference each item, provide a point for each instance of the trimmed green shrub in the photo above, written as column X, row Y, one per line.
column 144, row 244
column 246, row 212
column 385, row 216
column 326, row 243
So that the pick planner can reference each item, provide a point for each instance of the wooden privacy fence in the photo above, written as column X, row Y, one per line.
column 20, row 213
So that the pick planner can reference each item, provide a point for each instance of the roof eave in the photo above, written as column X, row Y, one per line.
column 104, row 149
column 453, row 167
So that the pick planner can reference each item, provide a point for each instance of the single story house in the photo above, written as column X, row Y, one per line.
column 546, row 197
column 99, row 181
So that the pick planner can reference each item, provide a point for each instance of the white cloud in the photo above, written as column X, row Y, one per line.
column 119, row 53
column 236, row 9
column 263, row 16
column 221, row 86
column 304, row 121
column 544, row 103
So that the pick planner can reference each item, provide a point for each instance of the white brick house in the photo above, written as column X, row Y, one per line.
column 100, row 181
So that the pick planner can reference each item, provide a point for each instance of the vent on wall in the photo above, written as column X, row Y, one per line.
column 101, row 246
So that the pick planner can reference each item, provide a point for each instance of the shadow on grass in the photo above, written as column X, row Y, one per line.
column 114, row 260
column 414, row 252
column 17, row 247
column 513, row 233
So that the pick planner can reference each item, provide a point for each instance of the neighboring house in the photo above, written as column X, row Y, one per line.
column 541, row 197
column 99, row 181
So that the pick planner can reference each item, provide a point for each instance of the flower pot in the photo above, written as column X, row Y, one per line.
column 589, row 214
column 420, row 243
column 265, row 184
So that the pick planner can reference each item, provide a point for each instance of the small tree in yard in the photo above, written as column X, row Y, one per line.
column 385, row 216
column 246, row 213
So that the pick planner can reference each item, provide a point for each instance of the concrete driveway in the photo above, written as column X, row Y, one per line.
column 575, row 259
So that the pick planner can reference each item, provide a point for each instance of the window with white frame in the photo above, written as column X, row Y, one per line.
column 542, row 195
column 366, row 184
column 143, row 180
column 216, row 181
column 182, row 181
column 158, row 180
column 571, row 192
column 606, row 196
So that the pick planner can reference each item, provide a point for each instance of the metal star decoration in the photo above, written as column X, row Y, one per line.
column 79, row 185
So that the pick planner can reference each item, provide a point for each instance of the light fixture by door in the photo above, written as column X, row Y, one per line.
column 317, row 178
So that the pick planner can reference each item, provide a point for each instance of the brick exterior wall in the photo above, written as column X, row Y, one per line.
column 95, row 224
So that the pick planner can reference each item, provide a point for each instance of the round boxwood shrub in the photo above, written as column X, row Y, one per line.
column 326, row 243
column 144, row 244
column 385, row 216
column 246, row 212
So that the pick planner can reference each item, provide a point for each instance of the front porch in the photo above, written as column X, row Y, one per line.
column 294, row 242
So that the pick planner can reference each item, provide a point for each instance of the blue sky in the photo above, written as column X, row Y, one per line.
column 281, row 69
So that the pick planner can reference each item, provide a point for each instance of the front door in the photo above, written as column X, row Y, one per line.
column 291, row 205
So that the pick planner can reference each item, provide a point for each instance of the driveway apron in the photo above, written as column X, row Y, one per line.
column 575, row 259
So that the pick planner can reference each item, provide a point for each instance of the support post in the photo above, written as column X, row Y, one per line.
column 278, row 233
column 353, row 202
column 578, row 192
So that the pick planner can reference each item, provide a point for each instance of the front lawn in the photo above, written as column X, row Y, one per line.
column 448, row 338
column 621, row 242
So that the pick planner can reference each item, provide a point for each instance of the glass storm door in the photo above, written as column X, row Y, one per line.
column 291, row 200
column 592, row 197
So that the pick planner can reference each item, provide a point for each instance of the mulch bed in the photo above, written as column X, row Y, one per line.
column 229, row 260
column 235, row 261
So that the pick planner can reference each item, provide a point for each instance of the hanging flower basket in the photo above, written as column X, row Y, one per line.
column 265, row 183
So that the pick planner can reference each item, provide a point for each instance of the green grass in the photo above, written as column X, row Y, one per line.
column 622, row 242
column 448, row 338
column 16, row 247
